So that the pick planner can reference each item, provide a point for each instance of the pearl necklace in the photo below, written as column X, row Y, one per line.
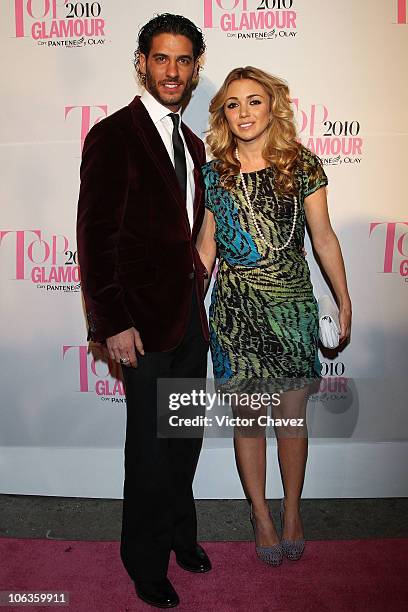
column 258, row 229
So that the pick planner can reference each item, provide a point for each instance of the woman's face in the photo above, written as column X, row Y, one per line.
column 247, row 110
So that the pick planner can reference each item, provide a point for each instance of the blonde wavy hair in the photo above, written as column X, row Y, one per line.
column 282, row 149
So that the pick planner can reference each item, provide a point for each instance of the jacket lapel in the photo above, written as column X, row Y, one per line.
column 197, row 171
column 156, row 150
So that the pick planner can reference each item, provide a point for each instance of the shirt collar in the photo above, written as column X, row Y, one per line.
column 156, row 110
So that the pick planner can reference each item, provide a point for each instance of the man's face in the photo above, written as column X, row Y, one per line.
column 169, row 69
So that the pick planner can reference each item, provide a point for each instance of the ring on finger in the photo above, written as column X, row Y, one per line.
column 124, row 360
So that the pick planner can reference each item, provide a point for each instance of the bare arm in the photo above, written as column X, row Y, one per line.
column 206, row 245
column 327, row 247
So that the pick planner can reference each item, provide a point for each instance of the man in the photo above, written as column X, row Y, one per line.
column 139, row 212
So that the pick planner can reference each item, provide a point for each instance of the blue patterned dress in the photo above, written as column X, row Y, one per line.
column 263, row 314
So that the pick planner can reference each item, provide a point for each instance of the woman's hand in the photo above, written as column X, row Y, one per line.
column 345, row 320
column 206, row 246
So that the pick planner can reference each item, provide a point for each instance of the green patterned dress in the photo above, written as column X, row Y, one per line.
column 263, row 314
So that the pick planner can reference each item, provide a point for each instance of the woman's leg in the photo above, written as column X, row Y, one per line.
column 250, row 455
column 292, row 453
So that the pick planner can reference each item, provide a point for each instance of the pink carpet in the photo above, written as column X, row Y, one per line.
column 341, row 575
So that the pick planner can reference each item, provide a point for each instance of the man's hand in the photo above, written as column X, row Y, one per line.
column 122, row 346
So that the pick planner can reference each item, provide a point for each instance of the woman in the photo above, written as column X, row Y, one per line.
column 261, row 187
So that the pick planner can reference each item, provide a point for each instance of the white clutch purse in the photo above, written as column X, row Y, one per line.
column 329, row 325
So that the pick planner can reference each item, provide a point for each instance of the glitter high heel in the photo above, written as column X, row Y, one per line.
column 272, row 555
column 292, row 549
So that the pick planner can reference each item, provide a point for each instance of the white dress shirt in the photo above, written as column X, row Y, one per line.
column 159, row 114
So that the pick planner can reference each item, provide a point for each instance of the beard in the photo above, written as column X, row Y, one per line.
column 170, row 99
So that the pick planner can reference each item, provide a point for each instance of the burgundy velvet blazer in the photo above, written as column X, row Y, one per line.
column 137, row 254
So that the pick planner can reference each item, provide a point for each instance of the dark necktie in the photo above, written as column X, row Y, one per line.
column 179, row 154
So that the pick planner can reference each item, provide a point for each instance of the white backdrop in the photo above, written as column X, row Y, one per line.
column 65, row 65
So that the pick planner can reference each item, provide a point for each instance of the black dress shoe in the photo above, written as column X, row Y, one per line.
column 158, row 593
column 194, row 560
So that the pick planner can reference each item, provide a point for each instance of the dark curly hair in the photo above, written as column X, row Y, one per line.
column 167, row 23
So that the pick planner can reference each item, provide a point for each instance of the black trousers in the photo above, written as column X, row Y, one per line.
column 158, row 505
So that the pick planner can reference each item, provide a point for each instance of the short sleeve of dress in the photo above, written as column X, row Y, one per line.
column 313, row 175
column 210, row 183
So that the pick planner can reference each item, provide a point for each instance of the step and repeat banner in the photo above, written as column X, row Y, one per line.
column 66, row 66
